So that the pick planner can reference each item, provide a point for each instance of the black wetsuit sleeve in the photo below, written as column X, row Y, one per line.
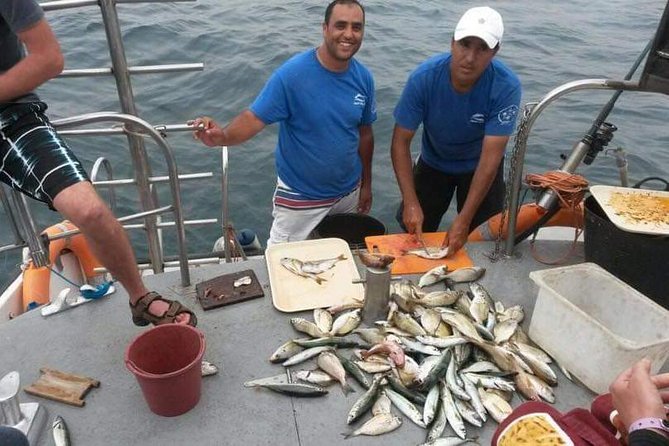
column 647, row 437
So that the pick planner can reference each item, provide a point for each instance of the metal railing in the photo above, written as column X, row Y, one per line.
column 135, row 129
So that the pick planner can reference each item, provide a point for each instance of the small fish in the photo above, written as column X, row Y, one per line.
column 323, row 320
column 338, row 341
column 440, row 298
column 346, row 322
column 355, row 371
column 302, row 325
column 504, row 330
column 330, row 364
column 431, row 406
column 496, row 406
column 450, row 441
column 380, row 261
column 285, row 351
column 430, row 252
column 320, row 266
column 439, row 424
column 306, row 354
column 208, row 368
column 400, row 388
column 377, row 425
column 406, row 407
column 293, row 389
column 365, row 402
column 335, row 309
column 371, row 335
column 407, row 323
column 246, row 280
column 61, row 434
column 444, row 342
column 296, row 267
column 467, row 274
column 452, row 415
column 382, row 404
column 317, row 377
column 433, row 276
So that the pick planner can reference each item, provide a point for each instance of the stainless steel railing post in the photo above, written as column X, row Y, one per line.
column 571, row 163
column 136, row 144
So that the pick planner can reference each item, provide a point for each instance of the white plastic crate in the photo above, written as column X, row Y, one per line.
column 596, row 325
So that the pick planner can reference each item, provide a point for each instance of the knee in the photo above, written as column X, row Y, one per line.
column 91, row 214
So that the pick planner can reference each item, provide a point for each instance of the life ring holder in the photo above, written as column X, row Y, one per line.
column 36, row 280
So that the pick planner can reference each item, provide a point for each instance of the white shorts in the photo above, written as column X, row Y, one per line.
column 296, row 217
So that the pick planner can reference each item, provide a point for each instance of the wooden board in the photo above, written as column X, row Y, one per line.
column 294, row 293
column 63, row 387
column 397, row 244
column 221, row 291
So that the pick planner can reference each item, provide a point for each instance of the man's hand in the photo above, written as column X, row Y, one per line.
column 207, row 131
column 412, row 216
column 635, row 393
column 365, row 200
column 457, row 234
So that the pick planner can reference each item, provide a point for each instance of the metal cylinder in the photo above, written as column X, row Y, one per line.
column 377, row 294
column 10, row 410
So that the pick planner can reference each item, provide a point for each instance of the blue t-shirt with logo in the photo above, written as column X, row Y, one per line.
column 454, row 124
column 320, row 112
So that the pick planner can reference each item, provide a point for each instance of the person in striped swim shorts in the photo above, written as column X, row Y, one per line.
column 37, row 162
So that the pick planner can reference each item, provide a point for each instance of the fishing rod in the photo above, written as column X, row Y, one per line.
column 593, row 142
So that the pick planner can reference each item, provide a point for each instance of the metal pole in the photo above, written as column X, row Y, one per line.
column 38, row 251
column 171, row 170
column 18, row 240
column 224, row 202
column 136, row 144
column 574, row 158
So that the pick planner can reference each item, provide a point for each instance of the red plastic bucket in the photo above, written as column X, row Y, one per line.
column 166, row 360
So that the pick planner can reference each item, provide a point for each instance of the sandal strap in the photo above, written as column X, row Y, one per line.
column 142, row 305
column 141, row 308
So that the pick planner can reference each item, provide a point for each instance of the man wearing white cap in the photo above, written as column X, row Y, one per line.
column 467, row 102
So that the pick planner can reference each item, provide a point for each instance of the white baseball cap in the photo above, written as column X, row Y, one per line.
column 482, row 22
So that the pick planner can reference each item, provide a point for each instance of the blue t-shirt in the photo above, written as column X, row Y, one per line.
column 454, row 124
column 320, row 112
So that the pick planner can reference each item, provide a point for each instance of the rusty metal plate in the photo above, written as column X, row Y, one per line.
column 221, row 291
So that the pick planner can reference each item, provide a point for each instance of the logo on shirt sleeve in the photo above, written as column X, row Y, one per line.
column 359, row 100
column 477, row 118
column 508, row 115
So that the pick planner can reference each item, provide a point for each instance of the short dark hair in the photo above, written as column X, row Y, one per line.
column 328, row 10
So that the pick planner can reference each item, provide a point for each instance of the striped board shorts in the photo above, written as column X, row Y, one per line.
column 33, row 158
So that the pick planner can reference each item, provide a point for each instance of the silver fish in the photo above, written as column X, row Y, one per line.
column 429, row 319
column 480, row 303
column 346, row 322
column 400, row 388
column 330, row 364
column 446, row 342
column 371, row 335
column 382, row 404
column 496, row 406
column 452, row 381
column 335, row 309
column 431, row 406
column 504, row 330
column 208, row 369
column 467, row 412
column 407, row 323
column 338, row 341
column 481, row 367
column 540, row 368
column 466, row 274
column 419, row 347
column 323, row 320
column 475, row 398
column 373, row 367
column 491, row 382
column 302, row 325
column 439, row 424
column 306, row 354
column 285, row 351
column 355, row 371
column 293, row 389
column 450, row 441
column 377, row 425
column 527, row 349
column 320, row 266
column 433, row 276
column 440, row 298
column 296, row 267
column 314, row 377
column 61, row 434
column 366, row 400
column 406, row 407
column 452, row 415
column 430, row 252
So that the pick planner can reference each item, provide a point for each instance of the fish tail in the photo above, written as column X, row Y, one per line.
column 346, row 388
column 347, row 435
column 319, row 279
column 341, row 257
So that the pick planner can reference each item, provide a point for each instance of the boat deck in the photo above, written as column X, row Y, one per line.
column 90, row 340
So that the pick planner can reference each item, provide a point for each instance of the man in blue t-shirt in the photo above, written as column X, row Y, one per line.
column 324, row 102
column 467, row 102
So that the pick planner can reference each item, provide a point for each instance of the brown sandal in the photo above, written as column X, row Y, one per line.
column 141, row 315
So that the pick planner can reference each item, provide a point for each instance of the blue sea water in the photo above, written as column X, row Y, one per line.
column 547, row 43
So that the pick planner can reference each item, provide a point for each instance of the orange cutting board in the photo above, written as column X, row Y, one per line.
column 397, row 244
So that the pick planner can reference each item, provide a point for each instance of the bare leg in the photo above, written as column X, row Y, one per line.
column 107, row 239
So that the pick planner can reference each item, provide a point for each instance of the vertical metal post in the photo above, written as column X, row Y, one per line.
column 18, row 239
column 38, row 251
column 136, row 144
column 377, row 294
column 224, row 203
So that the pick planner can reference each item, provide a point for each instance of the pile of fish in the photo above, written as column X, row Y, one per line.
column 448, row 357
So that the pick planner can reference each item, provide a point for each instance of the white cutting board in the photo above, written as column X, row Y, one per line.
column 660, row 202
column 291, row 292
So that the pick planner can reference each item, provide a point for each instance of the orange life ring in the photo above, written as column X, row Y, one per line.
column 527, row 216
column 36, row 279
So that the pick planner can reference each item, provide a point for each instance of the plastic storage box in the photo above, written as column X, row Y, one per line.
column 596, row 325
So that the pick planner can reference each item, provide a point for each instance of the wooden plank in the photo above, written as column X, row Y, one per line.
column 62, row 387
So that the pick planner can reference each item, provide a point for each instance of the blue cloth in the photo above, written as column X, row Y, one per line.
column 10, row 436
column 454, row 124
column 16, row 16
column 320, row 112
